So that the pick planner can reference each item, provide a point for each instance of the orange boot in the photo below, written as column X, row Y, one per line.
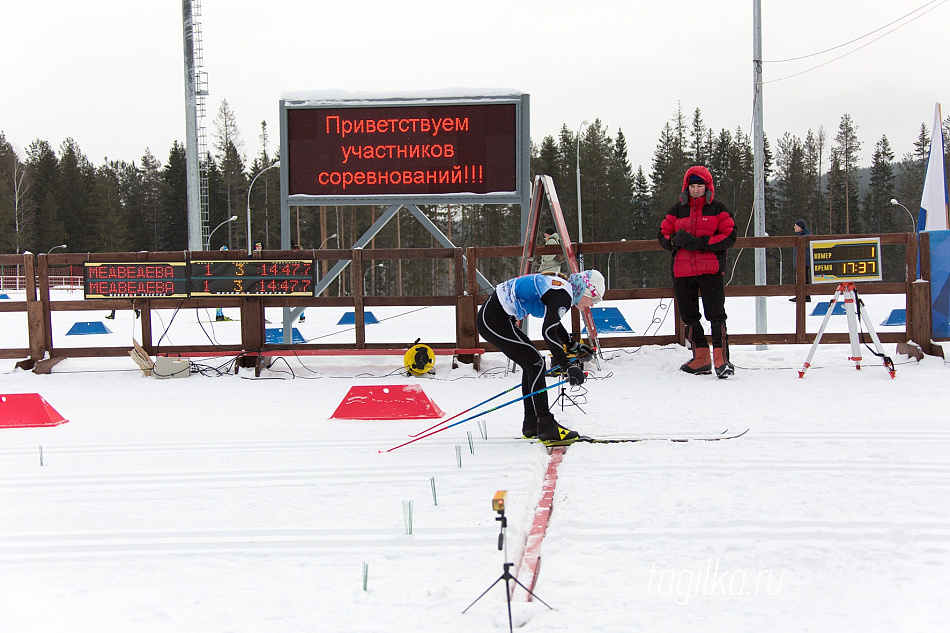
column 700, row 363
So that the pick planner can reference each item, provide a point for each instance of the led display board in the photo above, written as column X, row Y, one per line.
column 424, row 150
column 252, row 277
column 835, row 261
column 135, row 279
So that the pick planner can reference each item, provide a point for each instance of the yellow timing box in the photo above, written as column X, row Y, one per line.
column 498, row 502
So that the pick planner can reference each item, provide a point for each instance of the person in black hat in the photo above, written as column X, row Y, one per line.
column 800, row 229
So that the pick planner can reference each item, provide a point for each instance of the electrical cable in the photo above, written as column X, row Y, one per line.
column 859, row 47
column 868, row 34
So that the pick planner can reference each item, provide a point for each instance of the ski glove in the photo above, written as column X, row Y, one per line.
column 575, row 375
column 681, row 238
column 697, row 244
column 582, row 353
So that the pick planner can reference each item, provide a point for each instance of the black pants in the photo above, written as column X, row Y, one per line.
column 498, row 328
column 713, row 290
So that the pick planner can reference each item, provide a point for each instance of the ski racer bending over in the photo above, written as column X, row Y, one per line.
column 547, row 297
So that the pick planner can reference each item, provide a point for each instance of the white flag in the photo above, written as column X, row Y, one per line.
column 933, row 203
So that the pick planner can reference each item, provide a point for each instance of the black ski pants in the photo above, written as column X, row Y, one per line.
column 500, row 329
column 713, row 290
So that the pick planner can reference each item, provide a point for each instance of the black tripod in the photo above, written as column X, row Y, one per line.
column 506, row 575
column 566, row 400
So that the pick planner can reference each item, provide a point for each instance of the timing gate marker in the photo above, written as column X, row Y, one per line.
column 531, row 561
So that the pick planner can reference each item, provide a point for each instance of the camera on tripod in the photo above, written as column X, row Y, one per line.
column 498, row 501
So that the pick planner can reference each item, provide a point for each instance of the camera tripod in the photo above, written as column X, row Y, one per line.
column 566, row 400
column 506, row 575
column 854, row 308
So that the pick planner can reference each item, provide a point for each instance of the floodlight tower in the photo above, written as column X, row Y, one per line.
column 196, row 144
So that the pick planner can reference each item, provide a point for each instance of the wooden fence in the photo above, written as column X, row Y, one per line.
column 465, row 297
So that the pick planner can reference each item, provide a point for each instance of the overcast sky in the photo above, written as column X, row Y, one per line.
column 110, row 73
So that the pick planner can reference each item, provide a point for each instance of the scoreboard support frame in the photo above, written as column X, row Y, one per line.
column 846, row 291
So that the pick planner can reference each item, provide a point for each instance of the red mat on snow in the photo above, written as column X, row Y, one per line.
column 387, row 402
column 20, row 410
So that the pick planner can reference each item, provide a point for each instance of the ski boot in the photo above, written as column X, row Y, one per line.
column 724, row 368
column 529, row 428
column 553, row 434
column 700, row 364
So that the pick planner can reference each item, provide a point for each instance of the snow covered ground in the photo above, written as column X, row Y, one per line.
column 225, row 503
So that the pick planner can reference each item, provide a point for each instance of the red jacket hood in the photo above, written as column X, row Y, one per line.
column 703, row 173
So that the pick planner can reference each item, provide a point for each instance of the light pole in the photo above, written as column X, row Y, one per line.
column 366, row 272
column 250, row 246
column 898, row 204
column 208, row 244
column 332, row 237
column 916, row 234
column 580, row 224
column 609, row 255
column 54, row 248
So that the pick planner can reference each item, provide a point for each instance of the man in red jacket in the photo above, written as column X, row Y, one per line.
column 698, row 230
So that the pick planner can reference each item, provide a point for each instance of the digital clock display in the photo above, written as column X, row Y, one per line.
column 253, row 277
column 135, row 279
column 833, row 261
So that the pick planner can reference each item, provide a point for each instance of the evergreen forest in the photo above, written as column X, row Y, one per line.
column 52, row 196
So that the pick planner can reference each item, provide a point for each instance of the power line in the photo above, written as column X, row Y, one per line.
column 868, row 34
column 834, row 59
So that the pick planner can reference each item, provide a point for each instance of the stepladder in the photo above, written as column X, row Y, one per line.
column 856, row 315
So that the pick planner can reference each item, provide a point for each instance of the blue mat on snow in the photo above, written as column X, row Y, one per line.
column 897, row 316
column 275, row 336
column 4, row 296
column 349, row 318
column 88, row 327
column 821, row 309
column 609, row 320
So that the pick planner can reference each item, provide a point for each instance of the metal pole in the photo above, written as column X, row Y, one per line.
column 191, row 130
column 761, row 312
column 580, row 224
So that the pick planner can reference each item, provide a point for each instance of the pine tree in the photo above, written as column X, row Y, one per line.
column 230, row 161
column 913, row 170
column 697, row 144
column 814, row 151
column 793, row 186
column 836, row 193
column 644, row 225
column 108, row 229
column 74, row 191
column 265, row 197
column 848, row 148
column 44, row 169
column 669, row 166
column 878, row 211
column 15, row 213
column 173, row 201
column 152, row 216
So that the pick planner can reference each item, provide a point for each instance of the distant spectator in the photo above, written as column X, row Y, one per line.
column 551, row 263
column 800, row 229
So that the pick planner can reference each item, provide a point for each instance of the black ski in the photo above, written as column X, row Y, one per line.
column 725, row 435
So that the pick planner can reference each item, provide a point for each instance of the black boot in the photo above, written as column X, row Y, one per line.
column 529, row 428
column 552, row 433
